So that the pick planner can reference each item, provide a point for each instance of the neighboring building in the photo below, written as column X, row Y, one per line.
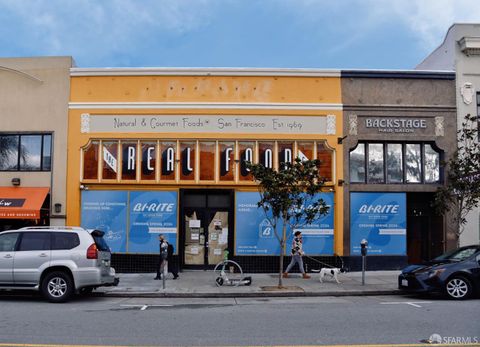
column 163, row 151
column 460, row 52
column 34, row 94
column 398, row 127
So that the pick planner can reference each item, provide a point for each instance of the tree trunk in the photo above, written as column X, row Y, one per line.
column 280, row 271
column 282, row 254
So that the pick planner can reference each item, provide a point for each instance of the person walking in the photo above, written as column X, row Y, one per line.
column 163, row 260
column 172, row 266
column 297, row 253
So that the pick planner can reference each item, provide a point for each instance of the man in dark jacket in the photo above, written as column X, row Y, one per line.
column 163, row 260
column 172, row 266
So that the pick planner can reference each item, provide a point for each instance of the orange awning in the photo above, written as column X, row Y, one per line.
column 21, row 202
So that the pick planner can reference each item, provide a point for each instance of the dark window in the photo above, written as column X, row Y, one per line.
column 395, row 162
column 90, row 160
column 459, row 253
column 129, row 160
column 431, row 164
column 413, row 163
column 325, row 155
column 26, row 152
column 195, row 200
column 9, row 152
column 357, row 164
column 218, row 201
column 375, row 163
column 47, row 153
column 35, row 241
column 8, row 242
column 110, row 159
column 30, row 152
column 64, row 241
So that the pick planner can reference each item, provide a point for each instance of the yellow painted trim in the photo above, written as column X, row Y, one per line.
column 203, row 106
column 168, row 71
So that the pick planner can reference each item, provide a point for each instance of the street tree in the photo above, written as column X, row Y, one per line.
column 289, row 198
column 462, row 190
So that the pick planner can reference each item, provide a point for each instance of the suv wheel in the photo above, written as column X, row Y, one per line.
column 458, row 288
column 57, row 287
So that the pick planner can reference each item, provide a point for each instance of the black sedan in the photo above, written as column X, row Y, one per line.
column 455, row 273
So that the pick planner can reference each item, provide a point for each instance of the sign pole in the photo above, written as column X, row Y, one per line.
column 164, row 273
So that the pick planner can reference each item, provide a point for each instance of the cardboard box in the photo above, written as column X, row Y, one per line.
column 194, row 255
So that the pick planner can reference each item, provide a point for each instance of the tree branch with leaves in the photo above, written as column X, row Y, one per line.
column 461, row 193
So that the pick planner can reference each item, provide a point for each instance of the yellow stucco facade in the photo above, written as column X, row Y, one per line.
column 119, row 106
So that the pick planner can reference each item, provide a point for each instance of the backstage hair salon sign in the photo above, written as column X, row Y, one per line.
column 253, row 124
column 397, row 125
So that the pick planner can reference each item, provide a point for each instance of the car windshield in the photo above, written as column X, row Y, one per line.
column 458, row 254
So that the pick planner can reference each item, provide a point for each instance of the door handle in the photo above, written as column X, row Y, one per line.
column 43, row 255
column 8, row 256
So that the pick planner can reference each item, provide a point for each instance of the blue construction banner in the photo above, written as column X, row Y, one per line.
column 106, row 210
column 381, row 219
column 151, row 214
column 317, row 236
column 254, row 234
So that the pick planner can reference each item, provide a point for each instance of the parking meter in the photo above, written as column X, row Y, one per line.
column 363, row 249
column 363, row 245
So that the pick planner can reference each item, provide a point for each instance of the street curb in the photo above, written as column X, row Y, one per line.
column 247, row 295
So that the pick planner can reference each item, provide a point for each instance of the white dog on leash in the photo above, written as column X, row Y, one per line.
column 330, row 272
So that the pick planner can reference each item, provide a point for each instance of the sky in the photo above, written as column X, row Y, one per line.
column 324, row 34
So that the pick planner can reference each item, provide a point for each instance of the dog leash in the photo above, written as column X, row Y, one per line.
column 320, row 262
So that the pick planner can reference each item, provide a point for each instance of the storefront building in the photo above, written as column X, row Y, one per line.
column 34, row 94
column 163, row 151
column 398, row 129
column 460, row 52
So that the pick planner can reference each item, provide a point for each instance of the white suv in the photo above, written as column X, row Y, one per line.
column 58, row 261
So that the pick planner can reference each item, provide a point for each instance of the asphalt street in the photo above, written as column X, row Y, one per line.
column 236, row 321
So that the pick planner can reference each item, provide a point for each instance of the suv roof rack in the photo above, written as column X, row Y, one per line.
column 52, row 227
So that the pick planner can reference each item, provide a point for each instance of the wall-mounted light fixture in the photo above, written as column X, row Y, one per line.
column 58, row 207
column 16, row 181
column 340, row 139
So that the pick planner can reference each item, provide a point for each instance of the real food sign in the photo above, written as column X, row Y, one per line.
column 381, row 219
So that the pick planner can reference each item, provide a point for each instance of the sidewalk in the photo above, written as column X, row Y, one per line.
column 198, row 283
